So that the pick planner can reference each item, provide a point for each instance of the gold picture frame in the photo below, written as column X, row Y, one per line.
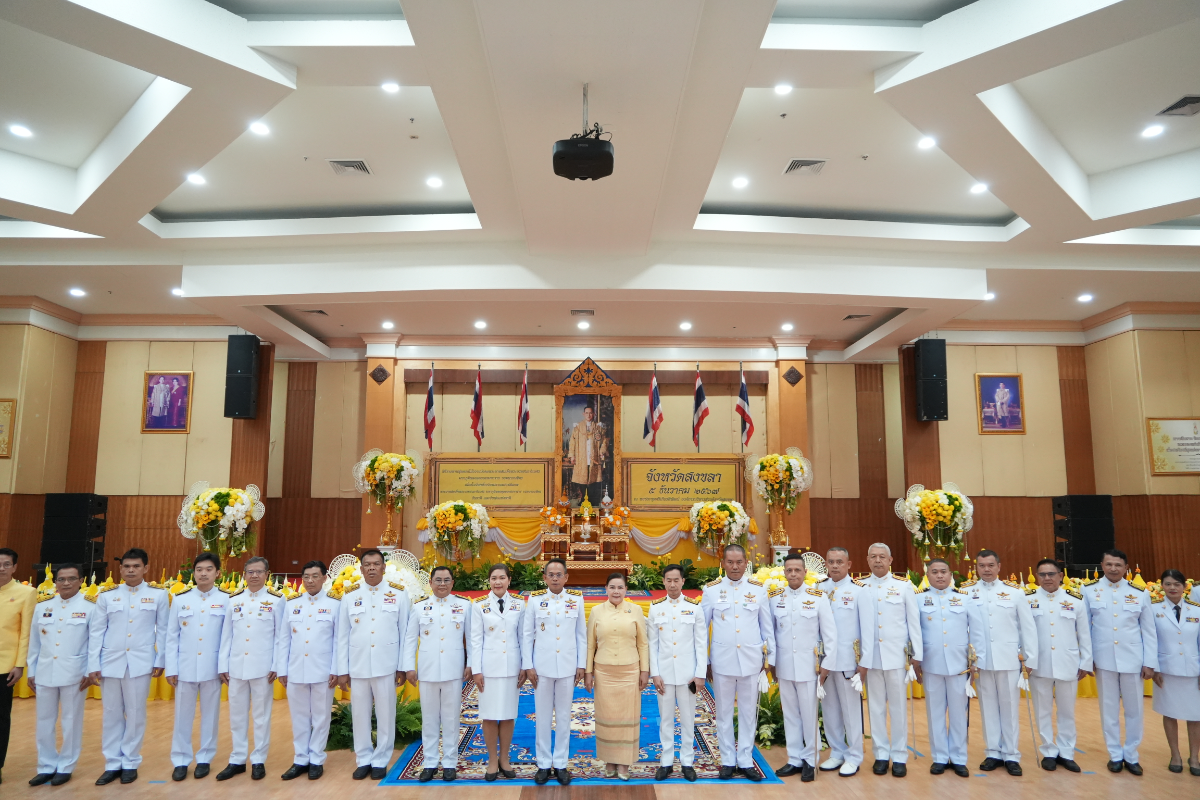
column 588, row 379
column 1159, row 436
column 168, row 410
column 8, row 422
column 988, row 406
column 482, row 465
column 733, row 465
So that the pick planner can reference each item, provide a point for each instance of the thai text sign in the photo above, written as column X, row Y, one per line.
column 671, row 484
column 1174, row 446
column 495, row 482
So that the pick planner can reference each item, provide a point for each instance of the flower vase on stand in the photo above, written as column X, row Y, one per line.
column 389, row 540
column 779, row 537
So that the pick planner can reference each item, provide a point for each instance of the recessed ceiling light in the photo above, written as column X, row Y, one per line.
column 583, row 325
column 741, row 182
column 387, row 326
column 1153, row 130
column 434, row 182
column 77, row 292
column 783, row 88
column 979, row 188
column 990, row 296
column 1085, row 298
column 177, row 291
column 20, row 130
column 260, row 128
column 197, row 179
column 480, row 324
column 787, row 326
column 926, row 142
column 685, row 326
column 391, row 87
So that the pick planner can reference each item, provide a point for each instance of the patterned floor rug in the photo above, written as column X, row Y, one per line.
column 472, row 754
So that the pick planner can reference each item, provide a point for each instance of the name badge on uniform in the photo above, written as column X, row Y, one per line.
column 487, row 609
column 1033, row 603
column 545, row 604
column 48, row 615
column 237, row 609
column 929, row 601
column 358, row 603
column 296, row 610
column 428, row 608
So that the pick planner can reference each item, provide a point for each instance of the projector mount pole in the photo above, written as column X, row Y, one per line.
column 585, row 110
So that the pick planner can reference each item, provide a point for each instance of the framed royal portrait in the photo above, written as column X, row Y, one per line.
column 8, row 421
column 167, row 402
column 587, row 415
column 1000, row 402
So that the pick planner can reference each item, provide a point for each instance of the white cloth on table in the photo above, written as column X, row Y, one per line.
column 553, row 697
column 311, row 706
column 250, row 698
column 886, row 697
column 50, row 758
column 1045, row 693
column 186, row 695
column 677, row 694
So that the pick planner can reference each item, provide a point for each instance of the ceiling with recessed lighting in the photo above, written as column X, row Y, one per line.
column 1043, row 106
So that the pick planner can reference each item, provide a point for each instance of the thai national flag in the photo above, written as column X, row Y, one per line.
column 654, row 412
column 742, row 407
column 699, row 408
column 523, row 408
column 477, row 408
column 430, row 417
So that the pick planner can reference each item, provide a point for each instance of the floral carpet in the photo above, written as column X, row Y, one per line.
column 472, row 754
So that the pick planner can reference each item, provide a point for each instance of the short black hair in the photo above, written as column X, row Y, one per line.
column 1115, row 553
column 136, row 553
column 8, row 551
column 315, row 563
column 621, row 575
column 1174, row 575
column 737, row 547
column 986, row 553
column 442, row 568
column 794, row 557
column 371, row 551
column 78, row 569
column 933, row 561
column 500, row 566
column 211, row 558
column 554, row 561
column 1049, row 561
column 674, row 567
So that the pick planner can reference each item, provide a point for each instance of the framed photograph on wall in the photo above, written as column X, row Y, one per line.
column 999, row 399
column 8, row 421
column 587, row 412
column 1174, row 445
column 167, row 402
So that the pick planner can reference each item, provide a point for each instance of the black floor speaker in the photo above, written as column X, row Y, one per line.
column 1083, row 529
column 241, row 377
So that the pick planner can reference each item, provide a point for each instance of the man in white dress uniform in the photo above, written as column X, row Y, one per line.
column 891, row 629
column 311, row 642
column 804, row 627
column 254, row 636
column 127, row 647
column 843, row 704
column 194, row 629
column 57, row 671
column 435, row 654
column 678, row 641
column 1064, row 657
column 1009, row 634
column 372, row 620
column 554, row 653
column 742, row 645
column 1125, row 653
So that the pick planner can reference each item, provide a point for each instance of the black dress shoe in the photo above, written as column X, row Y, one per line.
column 540, row 777
column 1067, row 764
column 179, row 773
column 786, row 770
column 379, row 773
column 1176, row 768
column 725, row 773
column 807, row 773
column 258, row 771
column 990, row 764
column 1133, row 768
column 1049, row 764
column 426, row 774
column 752, row 774
column 490, row 776
column 662, row 773
column 689, row 774
column 961, row 770
column 448, row 774
column 562, row 776
column 294, row 771
column 315, row 771
column 128, row 775
column 201, row 771
column 40, row 778
column 899, row 770
column 1014, row 768
column 880, row 767
column 936, row 769
column 1116, row 766
column 509, row 773
column 231, row 770
column 60, row 778
column 361, row 773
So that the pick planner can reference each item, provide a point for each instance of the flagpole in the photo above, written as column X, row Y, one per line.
column 655, row 436
column 525, row 391
column 693, row 410
column 742, row 427
column 479, row 383
column 430, row 439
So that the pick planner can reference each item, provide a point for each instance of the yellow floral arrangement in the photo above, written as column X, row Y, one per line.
column 781, row 479
column 718, row 524
column 937, row 520
column 387, row 477
column 456, row 527
column 222, row 519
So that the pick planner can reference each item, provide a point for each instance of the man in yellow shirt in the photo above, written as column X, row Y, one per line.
column 16, row 615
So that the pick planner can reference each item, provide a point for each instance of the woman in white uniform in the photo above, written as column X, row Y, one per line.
column 1177, row 681
column 495, row 656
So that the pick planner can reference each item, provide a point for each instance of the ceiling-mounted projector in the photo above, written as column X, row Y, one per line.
column 585, row 156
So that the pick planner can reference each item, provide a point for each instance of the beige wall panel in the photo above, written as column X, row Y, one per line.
column 541, row 418
column 1191, row 342
column 354, row 418
column 327, row 429
column 1044, row 450
column 210, row 443
column 454, row 417
column 818, row 429
column 842, row 408
column 61, row 401
column 119, row 449
column 34, row 410
column 172, row 356
column 1128, row 417
column 772, row 428
column 1104, row 440
column 996, row 358
column 893, row 430
column 633, row 403
column 717, row 434
column 165, row 455
column 1166, row 392
column 960, row 444
column 499, row 417
column 414, row 425
column 12, row 357
column 279, row 382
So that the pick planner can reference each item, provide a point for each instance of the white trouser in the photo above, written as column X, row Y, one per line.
column 553, row 695
column 209, row 693
column 124, row 702
column 744, row 690
column 677, row 694
column 946, row 707
column 379, row 693
column 1000, row 707
column 843, row 719
column 310, row 705
column 49, row 699
column 799, row 701
column 245, row 697
column 441, row 704
column 886, row 696
column 1116, row 689
column 1045, row 692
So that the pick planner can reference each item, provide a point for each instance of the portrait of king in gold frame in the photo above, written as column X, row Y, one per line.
column 587, row 412
column 167, row 402
column 1000, row 403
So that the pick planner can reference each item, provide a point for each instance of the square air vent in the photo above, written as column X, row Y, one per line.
column 804, row 166
column 1185, row 107
column 855, row 316
column 349, row 166
column 583, row 312
column 319, row 311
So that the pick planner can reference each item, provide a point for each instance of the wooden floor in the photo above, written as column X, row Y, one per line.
column 154, row 782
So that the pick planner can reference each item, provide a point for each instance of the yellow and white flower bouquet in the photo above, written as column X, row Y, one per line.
column 457, row 528
column 781, row 479
column 222, row 519
column 937, row 520
column 389, row 478
column 717, row 524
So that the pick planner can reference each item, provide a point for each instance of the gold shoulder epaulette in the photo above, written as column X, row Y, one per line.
column 332, row 596
column 462, row 596
column 1157, row 599
column 1190, row 601
column 537, row 592
column 237, row 591
column 1030, row 589
column 898, row 576
column 49, row 597
column 395, row 585
column 1139, row 588
column 515, row 595
column 753, row 582
column 815, row 591
column 920, row 589
column 297, row 596
column 774, row 592
column 104, row 589
column 1013, row 584
column 857, row 582
column 185, row 591
column 219, row 588
column 575, row 592
column 421, row 599
column 959, row 590
column 1090, row 581
column 1078, row 595
column 659, row 600
column 965, row 584
column 89, row 598
column 271, row 590
column 713, row 582
column 156, row 585
column 481, row 599
column 693, row 600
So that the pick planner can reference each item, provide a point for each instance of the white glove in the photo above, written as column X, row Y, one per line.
column 970, row 689
column 764, row 685
column 1023, row 681
column 820, row 690
column 910, row 676
column 856, row 683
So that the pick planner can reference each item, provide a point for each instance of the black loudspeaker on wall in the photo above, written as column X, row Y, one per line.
column 241, row 377
column 73, row 529
column 1083, row 529
column 930, row 366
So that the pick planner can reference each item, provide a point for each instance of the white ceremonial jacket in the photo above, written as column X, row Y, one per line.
column 890, row 621
column 129, row 632
column 1064, row 635
column 254, row 637
column 311, row 637
column 58, row 640
column 554, row 633
column 949, row 622
column 371, row 624
column 1124, row 637
column 435, row 641
column 678, row 640
column 494, row 639
column 1008, row 624
column 802, row 619
column 1178, row 642
column 194, row 628
column 849, row 615
column 740, row 615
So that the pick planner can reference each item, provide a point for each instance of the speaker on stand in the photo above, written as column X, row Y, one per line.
column 241, row 377
column 73, row 530
column 929, row 363
column 1083, row 530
